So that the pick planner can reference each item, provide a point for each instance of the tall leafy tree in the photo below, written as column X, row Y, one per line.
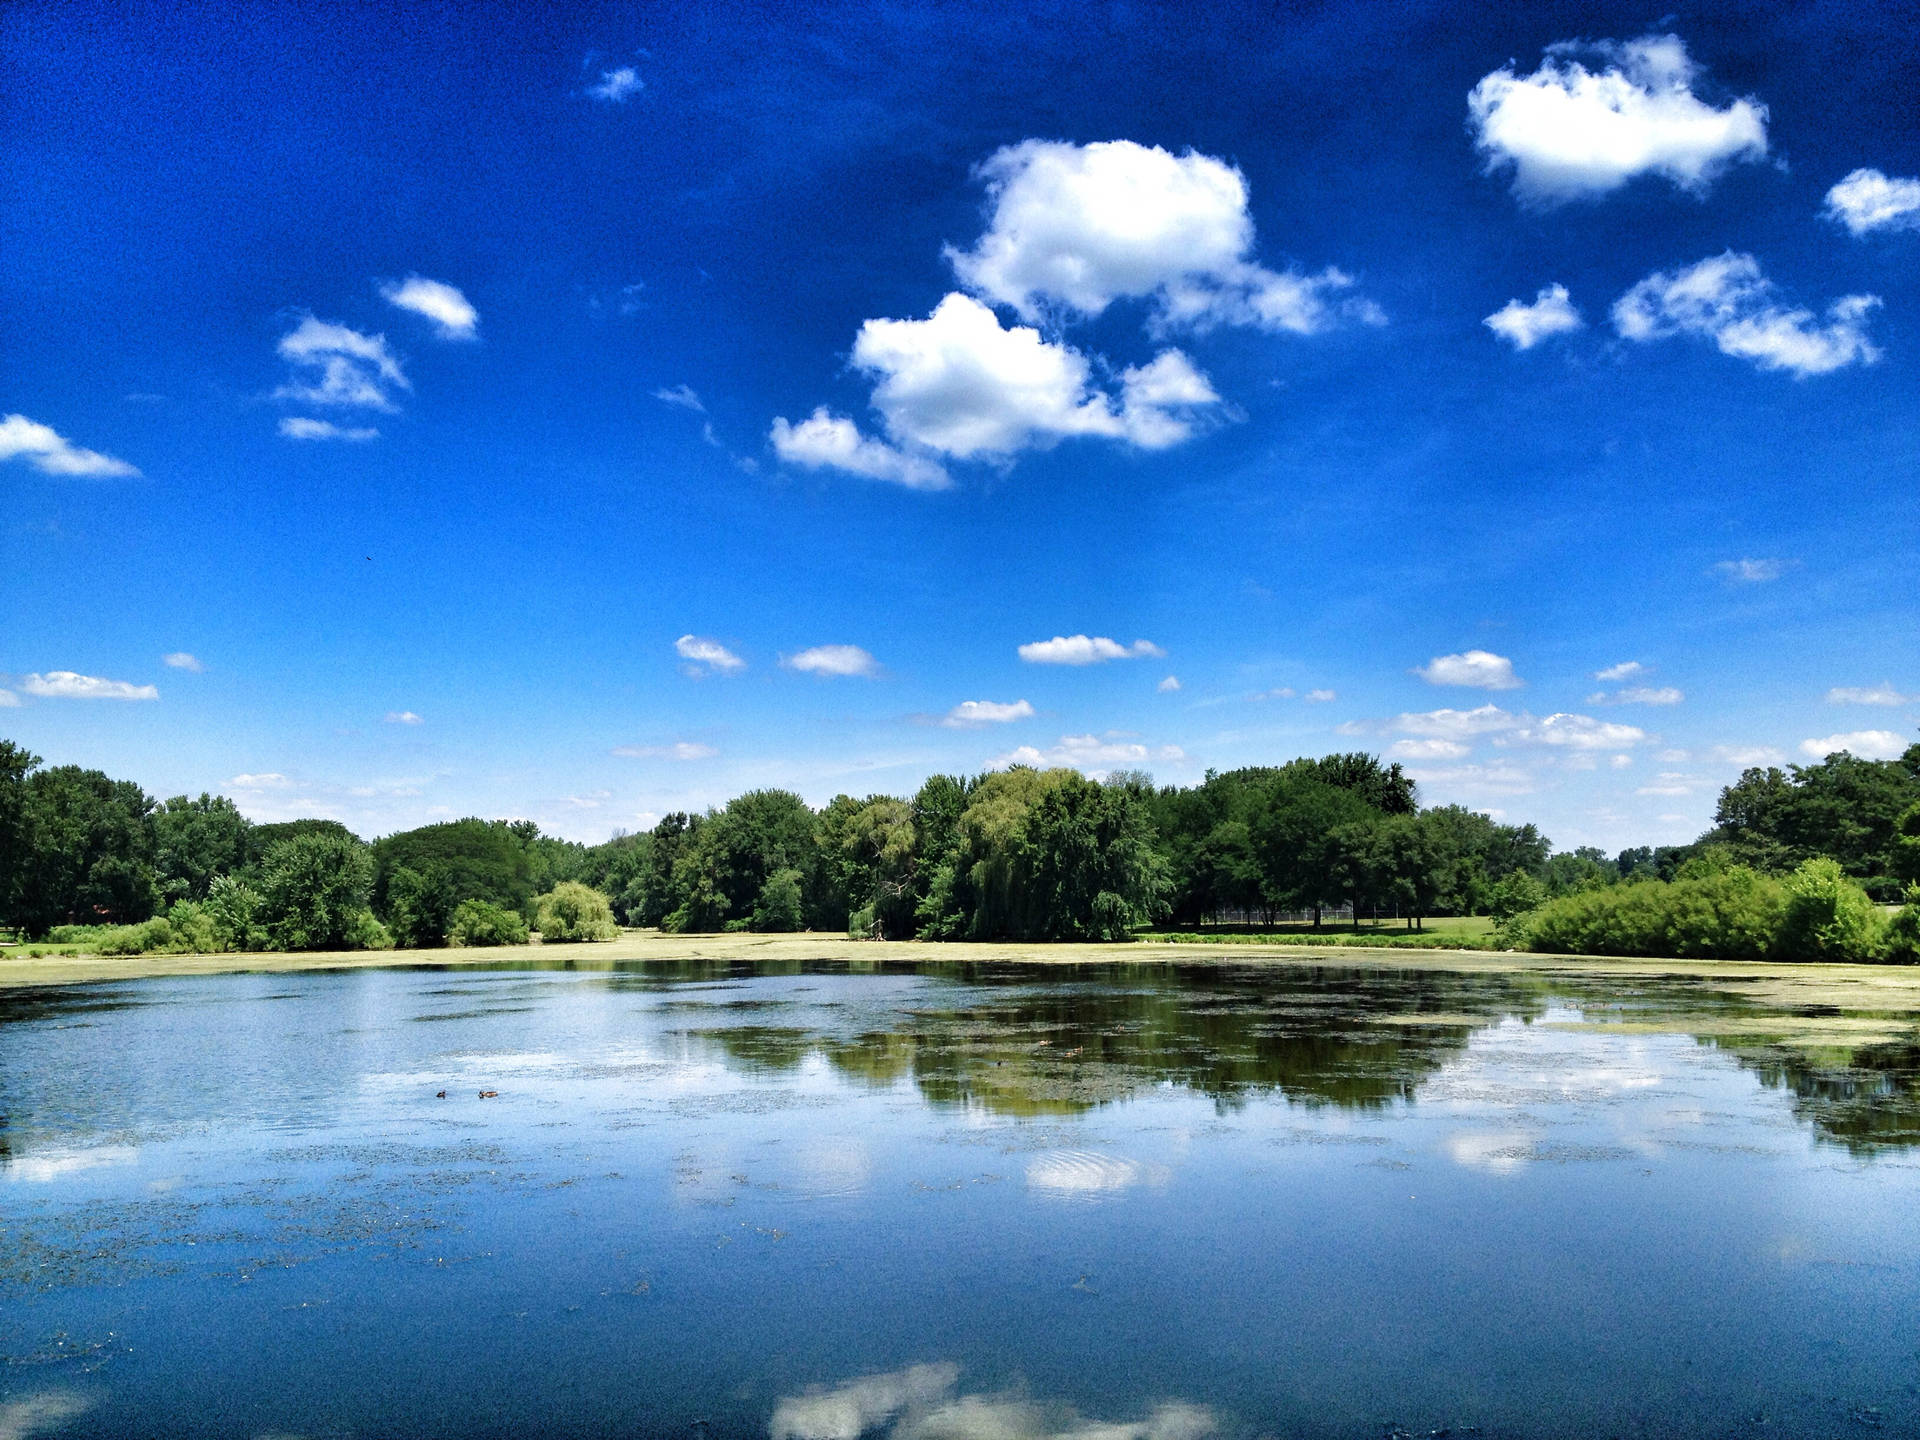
column 91, row 857
column 195, row 840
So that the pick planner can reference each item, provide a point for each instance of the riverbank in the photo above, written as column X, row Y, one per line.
column 1889, row 990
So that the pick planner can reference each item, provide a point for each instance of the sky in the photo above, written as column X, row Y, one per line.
column 589, row 415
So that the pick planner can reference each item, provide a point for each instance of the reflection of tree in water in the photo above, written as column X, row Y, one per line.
column 1865, row 1098
column 1357, row 1039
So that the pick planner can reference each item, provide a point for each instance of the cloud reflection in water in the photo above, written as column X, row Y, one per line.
column 922, row 1402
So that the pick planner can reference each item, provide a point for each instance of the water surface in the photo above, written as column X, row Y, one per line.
column 1118, row 1203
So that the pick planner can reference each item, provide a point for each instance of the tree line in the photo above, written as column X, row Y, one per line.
column 1018, row 854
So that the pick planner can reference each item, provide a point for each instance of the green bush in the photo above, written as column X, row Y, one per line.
column 365, row 932
column 1827, row 916
column 572, row 911
column 481, row 922
column 1901, row 939
column 1705, row 914
column 194, row 930
column 779, row 906
column 231, row 906
column 141, row 939
column 79, row 934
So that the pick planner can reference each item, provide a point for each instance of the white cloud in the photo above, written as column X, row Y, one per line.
column 9, row 700
column 826, row 441
column 1085, row 650
column 443, row 304
column 703, row 654
column 1625, row 670
column 961, row 384
column 678, row 750
column 1168, row 685
column 681, row 395
column 849, row 1411
column 1551, row 313
column 1726, row 299
column 1573, row 732
column 1639, row 695
column 52, row 453
column 1319, row 697
column 66, row 685
column 1669, row 782
column 1621, row 762
column 337, row 365
column 833, row 660
column 181, row 660
column 1573, row 133
column 1094, row 754
column 969, row 714
column 402, row 717
column 1500, row 779
column 1882, row 694
column 1862, row 744
column 1475, row 669
column 266, row 780
column 1455, row 724
column 299, row 427
column 1428, row 750
column 1750, row 572
column 1073, row 228
column 1868, row 200
column 617, row 86
column 1748, row 755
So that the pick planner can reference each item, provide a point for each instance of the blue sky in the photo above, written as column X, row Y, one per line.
column 588, row 416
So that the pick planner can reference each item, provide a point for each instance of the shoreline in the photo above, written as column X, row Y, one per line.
column 1878, row 987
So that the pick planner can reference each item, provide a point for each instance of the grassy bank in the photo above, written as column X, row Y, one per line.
column 1886, row 990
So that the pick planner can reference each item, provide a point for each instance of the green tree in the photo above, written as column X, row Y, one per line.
column 420, row 904
column 16, row 829
column 1827, row 916
column 195, row 840
column 90, row 856
column 780, row 907
column 314, row 889
column 572, row 911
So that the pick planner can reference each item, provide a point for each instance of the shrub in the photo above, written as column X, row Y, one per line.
column 365, row 932
column 1901, row 940
column 1827, row 916
column 572, row 911
column 141, row 939
column 779, row 906
column 1706, row 914
column 230, row 907
column 79, row 934
column 481, row 922
column 194, row 930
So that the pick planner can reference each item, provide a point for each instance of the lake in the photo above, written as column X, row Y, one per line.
column 815, row 1202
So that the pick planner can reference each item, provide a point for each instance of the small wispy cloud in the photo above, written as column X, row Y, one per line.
column 338, row 365
column 681, row 395
column 452, row 314
column 616, row 87
column 1095, row 754
column 704, row 656
column 1881, row 694
column 1319, row 697
column 402, row 717
column 1625, row 670
column 51, row 453
column 971, row 714
column 1168, row 685
column 265, row 780
column 68, row 685
column 300, row 427
column 181, row 660
column 1525, row 326
column 833, row 660
column 1750, row 572
column 678, row 750
column 1869, row 200
column 1086, row 650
